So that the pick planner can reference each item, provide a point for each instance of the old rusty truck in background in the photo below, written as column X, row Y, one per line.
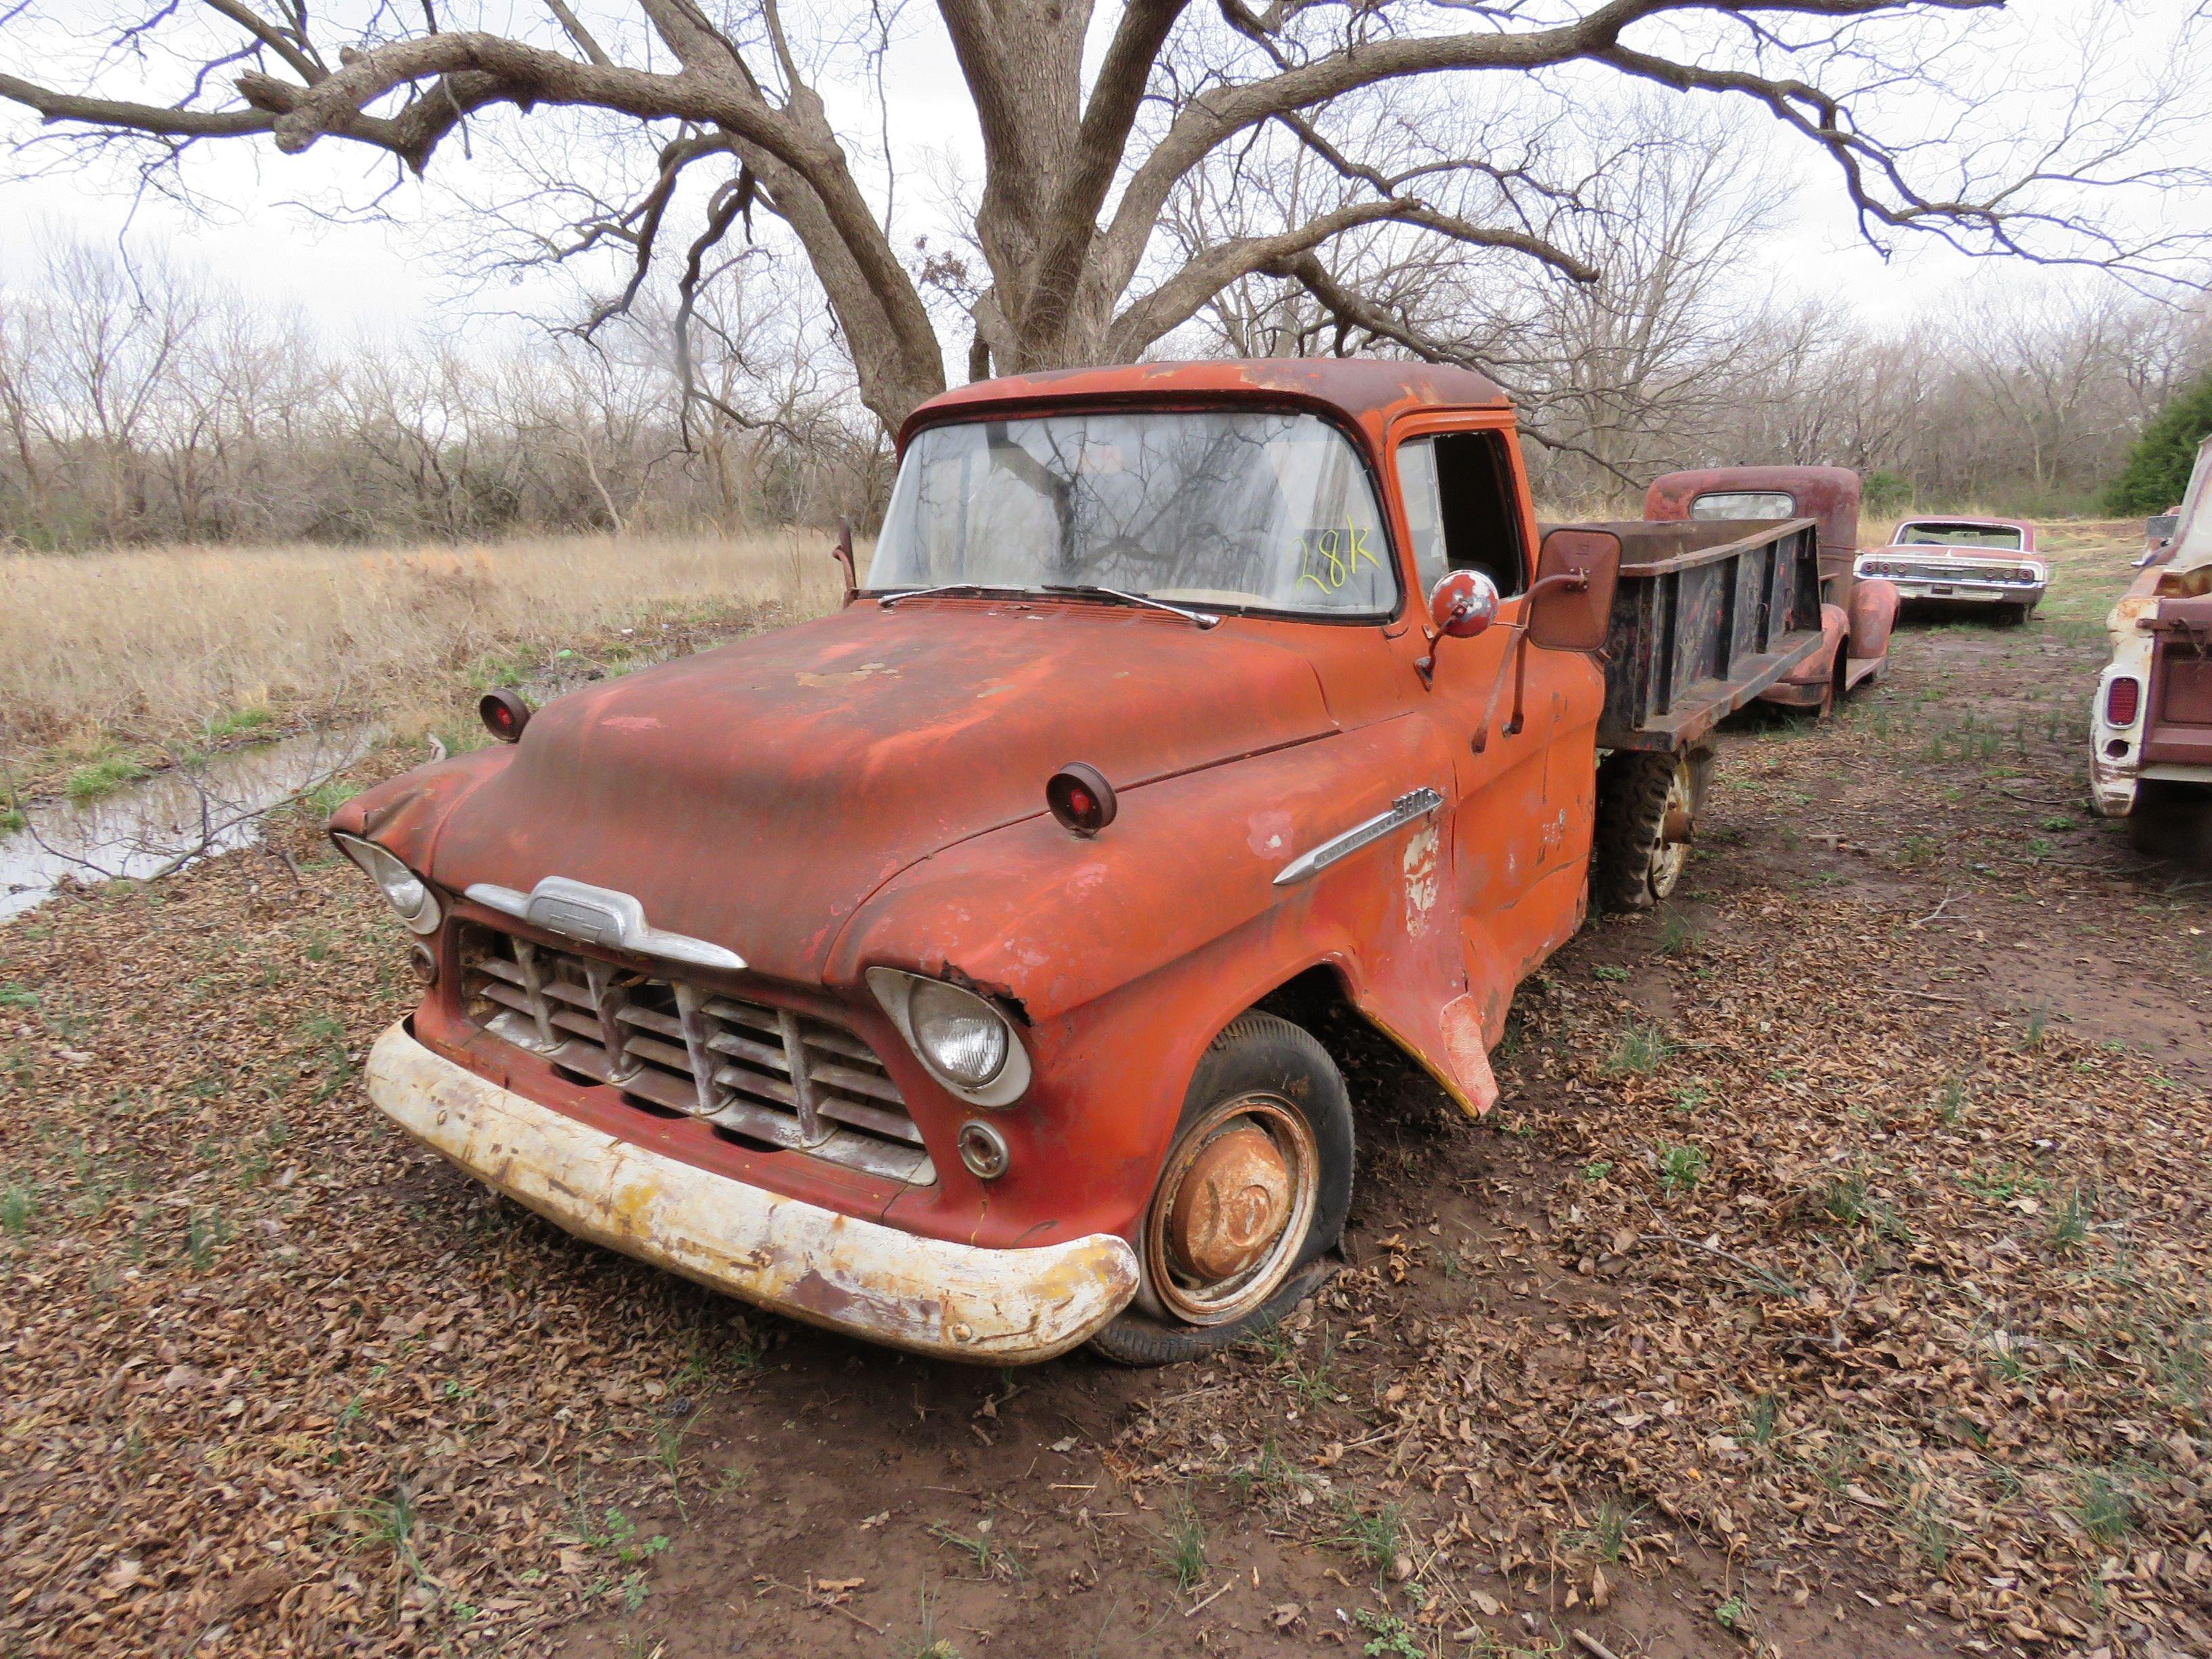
column 921, row 971
column 2150, row 755
column 1857, row 613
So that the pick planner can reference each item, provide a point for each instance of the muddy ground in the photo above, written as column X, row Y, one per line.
column 1831, row 1280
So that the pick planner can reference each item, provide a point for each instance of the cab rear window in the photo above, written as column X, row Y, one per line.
column 1745, row 504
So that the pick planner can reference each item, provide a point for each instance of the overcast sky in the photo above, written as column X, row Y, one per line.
column 377, row 277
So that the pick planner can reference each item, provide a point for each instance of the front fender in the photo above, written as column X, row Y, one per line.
column 1125, row 953
column 405, row 814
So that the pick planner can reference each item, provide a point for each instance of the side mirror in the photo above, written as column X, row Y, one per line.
column 1462, row 604
column 842, row 551
column 1571, row 601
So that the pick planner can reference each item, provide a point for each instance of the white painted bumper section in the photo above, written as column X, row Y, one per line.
column 957, row 1300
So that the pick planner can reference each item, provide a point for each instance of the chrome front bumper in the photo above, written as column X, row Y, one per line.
column 955, row 1301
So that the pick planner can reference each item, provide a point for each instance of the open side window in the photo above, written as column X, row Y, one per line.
column 1461, row 506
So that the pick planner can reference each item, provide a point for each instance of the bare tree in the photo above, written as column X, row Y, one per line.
column 1078, row 176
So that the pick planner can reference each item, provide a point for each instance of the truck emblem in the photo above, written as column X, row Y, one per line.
column 1415, row 804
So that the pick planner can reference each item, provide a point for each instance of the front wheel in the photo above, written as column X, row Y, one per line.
column 1250, row 1200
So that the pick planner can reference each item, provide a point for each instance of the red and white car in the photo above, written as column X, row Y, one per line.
column 1963, row 561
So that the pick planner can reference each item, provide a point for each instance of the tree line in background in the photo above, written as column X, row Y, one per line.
column 141, row 405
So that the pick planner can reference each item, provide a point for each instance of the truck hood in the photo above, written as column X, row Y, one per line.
column 755, row 795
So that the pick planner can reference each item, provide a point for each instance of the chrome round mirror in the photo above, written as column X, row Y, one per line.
column 1463, row 603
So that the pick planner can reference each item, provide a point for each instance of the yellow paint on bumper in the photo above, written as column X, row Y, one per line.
column 957, row 1300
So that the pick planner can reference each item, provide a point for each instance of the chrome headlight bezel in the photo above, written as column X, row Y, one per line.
column 408, row 894
column 896, row 990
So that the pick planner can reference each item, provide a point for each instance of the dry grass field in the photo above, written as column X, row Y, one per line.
column 114, row 653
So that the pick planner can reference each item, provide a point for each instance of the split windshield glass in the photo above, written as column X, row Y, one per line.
column 1222, row 509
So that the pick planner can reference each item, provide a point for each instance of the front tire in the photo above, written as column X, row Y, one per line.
column 1250, row 1200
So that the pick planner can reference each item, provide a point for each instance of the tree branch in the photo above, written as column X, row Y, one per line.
column 1179, row 298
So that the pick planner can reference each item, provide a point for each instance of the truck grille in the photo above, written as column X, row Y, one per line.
column 764, row 1075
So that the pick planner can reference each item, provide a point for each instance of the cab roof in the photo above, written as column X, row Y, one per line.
column 1363, row 391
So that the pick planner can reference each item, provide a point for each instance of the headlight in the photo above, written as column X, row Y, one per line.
column 959, row 1034
column 409, row 894
column 965, row 1042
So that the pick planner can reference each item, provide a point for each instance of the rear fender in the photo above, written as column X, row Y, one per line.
column 1873, row 614
column 1820, row 667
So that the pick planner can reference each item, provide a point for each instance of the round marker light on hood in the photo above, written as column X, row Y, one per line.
column 504, row 715
column 1080, row 798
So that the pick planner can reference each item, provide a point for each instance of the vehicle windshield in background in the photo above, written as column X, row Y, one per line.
column 1957, row 535
column 1745, row 504
column 1227, row 508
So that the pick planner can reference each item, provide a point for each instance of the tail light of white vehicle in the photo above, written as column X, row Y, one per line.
column 2123, row 701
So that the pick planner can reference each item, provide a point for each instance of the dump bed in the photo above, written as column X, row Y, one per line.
column 1706, row 616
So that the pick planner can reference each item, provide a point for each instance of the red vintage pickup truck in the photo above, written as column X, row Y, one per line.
column 930, row 970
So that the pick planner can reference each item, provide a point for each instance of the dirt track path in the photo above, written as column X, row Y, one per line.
column 1831, row 1280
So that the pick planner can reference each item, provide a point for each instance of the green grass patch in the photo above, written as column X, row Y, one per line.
column 1373, row 1536
column 237, row 723
column 1641, row 1049
column 101, row 777
column 1682, row 1168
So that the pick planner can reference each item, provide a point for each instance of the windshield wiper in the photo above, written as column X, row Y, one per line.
column 1204, row 619
column 892, row 598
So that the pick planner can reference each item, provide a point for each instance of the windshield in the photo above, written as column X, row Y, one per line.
column 1227, row 508
column 2192, row 541
column 1958, row 535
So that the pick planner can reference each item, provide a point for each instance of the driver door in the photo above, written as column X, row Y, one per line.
column 1516, row 851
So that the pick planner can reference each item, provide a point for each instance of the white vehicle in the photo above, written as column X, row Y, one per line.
column 1954, row 560
column 2150, row 759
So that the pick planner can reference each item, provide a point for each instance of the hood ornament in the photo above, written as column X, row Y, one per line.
column 601, row 916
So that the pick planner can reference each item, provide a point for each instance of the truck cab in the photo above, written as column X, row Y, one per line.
column 920, row 971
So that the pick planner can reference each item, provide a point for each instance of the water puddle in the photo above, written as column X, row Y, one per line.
column 173, row 818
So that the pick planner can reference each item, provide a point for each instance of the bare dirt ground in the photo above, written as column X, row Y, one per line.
column 1831, row 1281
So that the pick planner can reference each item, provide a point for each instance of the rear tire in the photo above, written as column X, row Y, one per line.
column 1266, row 1074
column 2171, row 820
column 1637, row 862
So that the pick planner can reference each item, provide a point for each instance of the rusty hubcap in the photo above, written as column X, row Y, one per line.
column 1670, row 847
column 1233, row 1199
column 1234, row 1205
